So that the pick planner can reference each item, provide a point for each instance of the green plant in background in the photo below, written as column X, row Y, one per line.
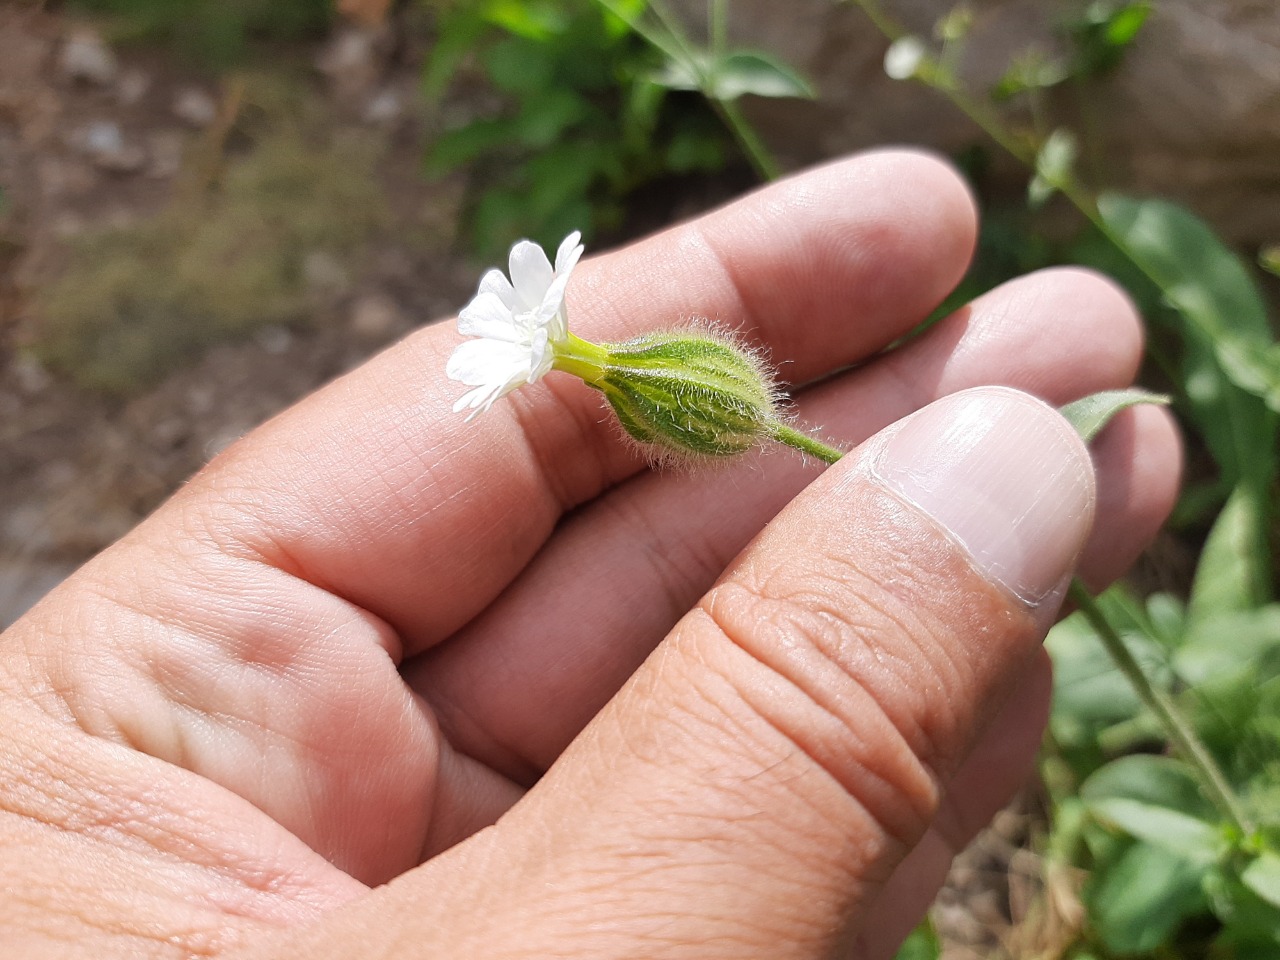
column 1182, row 851
column 231, row 253
column 596, row 105
column 216, row 32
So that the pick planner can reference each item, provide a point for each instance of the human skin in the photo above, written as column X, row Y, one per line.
column 381, row 683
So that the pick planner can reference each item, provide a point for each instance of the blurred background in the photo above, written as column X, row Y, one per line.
column 210, row 207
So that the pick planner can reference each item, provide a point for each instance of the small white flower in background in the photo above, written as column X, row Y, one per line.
column 904, row 57
column 517, row 324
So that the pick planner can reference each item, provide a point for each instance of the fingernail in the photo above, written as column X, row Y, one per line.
column 1005, row 476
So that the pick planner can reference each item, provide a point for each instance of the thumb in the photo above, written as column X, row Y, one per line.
column 752, row 790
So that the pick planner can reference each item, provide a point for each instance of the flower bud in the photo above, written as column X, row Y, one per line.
column 692, row 393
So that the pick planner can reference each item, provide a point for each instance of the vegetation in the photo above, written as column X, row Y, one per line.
column 597, row 103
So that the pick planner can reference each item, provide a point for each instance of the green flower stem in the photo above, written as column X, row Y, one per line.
column 582, row 358
column 1175, row 725
column 805, row 443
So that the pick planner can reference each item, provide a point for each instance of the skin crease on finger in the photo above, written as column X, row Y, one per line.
column 358, row 646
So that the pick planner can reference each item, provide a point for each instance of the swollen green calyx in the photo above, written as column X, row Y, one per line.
column 692, row 392
column 689, row 392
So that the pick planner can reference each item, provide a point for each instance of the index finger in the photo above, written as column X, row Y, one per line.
column 375, row 490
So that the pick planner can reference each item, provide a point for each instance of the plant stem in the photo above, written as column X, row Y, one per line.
column 717, row 26
column 582, row 358
column 805, row 443
column 758, row 155
column 1175, row 725
column 676, row 46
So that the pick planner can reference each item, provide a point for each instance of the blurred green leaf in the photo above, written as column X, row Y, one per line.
column 1029, row 71
column 1262, row 876
column 1090, row 414
column 1089, row 692
column 683, row 73
column 1190, row 837
column 750, row 72
column 737, row 73
column 546, row 115
column 1054, row 163
column 1226, row 646
column 1204, row 282
column 460, row 147
column 955, row 24
column 1123, row 25
column 693, row 150
column 457, row 35
column 1103, row 34
column 619, row 15
column 1143, row 897
column 1251, row 924
column 1149, row 779
column 532, row 19
column 519, row 67
column 1269, row 258
column 1233, row 573
column 921, row 944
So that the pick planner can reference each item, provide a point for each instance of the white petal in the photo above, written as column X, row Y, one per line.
column 475, row 398
column 479, row 362
column 487, row 316
column 569, row 252
column 558, row 326
column 553, row 299
column 530, row 273
column 496, row 282
column 540, row 356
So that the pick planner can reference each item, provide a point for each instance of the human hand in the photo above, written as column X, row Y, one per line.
column 369, row 630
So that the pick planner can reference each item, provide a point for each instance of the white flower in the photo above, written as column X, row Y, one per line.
column 903, row 58
column 517, row 322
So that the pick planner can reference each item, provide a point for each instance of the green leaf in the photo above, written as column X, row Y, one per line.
column 921, row 944
column 1269, row 258
column 620, row 15
column 1090, row 414
column 1171, row 830
column 461, row 146
column 682, row 73
column 1150, row 779
column 1053, row 166
column 1251, row 924
column 1226, row 646
column 1123, row 26
column 518, row 66
column 545, row 117
column 749, row 72
column 531, row 19
column 1262, row 876
column 457, row 36
column 1204, row 282
column 1142, row 898
column 1233, row 574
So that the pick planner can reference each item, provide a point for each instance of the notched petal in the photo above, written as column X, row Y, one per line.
column 531, row 273
column 487, row 316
